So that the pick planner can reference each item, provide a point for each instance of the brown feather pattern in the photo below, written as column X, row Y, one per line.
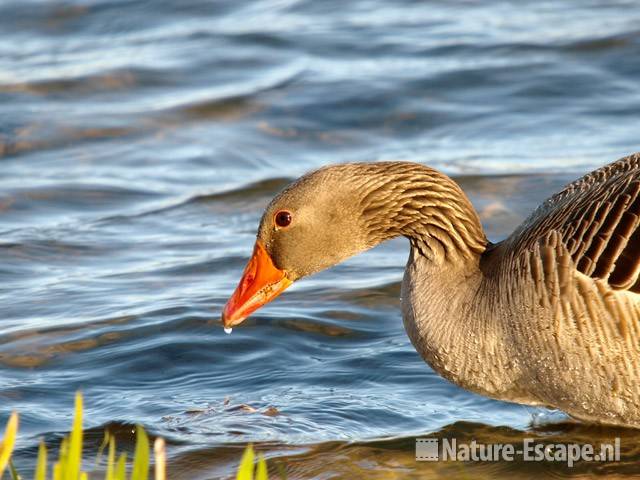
column 421, row 204
column 597, row 218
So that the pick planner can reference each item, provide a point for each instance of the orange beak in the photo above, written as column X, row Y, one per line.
column 261, row 282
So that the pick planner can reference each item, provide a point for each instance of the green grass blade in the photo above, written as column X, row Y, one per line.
column 141, row 458
column 8, row 442
column 64, row 454
column 245, row 471
column 13, row 471
column 111, row 459
column 261, row 471
column 41, row 467
column 103, row 445
column 121, row 467
column 74, row 459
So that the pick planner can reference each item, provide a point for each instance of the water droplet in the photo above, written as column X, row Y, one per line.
column 228, row 330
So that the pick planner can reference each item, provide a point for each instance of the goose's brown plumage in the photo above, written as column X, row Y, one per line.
column 549, row 316
column 597, row 218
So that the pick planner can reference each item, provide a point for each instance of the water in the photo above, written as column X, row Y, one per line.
column 139, row 143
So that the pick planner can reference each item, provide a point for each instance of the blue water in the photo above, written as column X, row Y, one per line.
column 139, row 143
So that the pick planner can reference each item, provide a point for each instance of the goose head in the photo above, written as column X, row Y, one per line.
column 311, row 225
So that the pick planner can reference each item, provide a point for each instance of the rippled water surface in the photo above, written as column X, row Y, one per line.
column 139, row 142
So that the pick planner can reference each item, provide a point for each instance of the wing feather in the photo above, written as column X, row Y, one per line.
column 597, row 219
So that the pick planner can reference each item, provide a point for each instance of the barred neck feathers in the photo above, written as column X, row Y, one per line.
column 421, row 204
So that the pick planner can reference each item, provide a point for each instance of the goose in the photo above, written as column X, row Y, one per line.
column 550, row 316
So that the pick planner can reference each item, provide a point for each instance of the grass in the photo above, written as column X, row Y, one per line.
column 248, row 470
column 69, row 465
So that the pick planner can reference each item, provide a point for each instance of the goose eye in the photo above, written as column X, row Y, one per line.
column 283, row 218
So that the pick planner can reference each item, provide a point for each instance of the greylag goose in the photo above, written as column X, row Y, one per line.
column 549, row 316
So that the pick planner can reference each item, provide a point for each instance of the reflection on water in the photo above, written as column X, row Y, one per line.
column 395, row 457
column 139, row 144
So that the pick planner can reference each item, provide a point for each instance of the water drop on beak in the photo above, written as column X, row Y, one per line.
column 228, row 330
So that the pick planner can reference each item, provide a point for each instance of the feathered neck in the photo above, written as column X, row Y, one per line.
column 422, row 204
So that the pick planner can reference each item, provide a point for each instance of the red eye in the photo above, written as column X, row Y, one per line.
column 283, row 218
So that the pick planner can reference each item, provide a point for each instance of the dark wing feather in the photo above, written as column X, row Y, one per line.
column 597, row 218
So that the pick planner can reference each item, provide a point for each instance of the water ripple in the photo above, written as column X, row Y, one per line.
column 139, row 145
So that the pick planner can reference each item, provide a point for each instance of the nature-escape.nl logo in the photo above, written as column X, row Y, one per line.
column 532, row 450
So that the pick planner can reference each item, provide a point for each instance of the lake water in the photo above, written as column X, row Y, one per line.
column 139, row 143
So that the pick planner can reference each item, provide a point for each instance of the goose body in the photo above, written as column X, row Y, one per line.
column 549, row 316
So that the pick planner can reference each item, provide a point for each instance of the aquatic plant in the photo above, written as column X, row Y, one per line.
column 69, row 464
column 248, row 470
column 8, row 441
